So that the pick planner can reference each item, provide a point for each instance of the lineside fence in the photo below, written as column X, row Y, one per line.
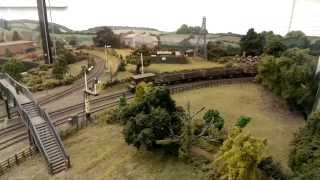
column 16, row 159
column 210, row 83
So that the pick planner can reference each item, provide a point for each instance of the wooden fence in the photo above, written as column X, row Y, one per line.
column 210, row 83
column 16, row 159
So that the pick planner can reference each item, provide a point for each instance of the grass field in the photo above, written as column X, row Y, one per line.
column 101, row 153
column 124, row 52
column 271, row 118
column 76, row 68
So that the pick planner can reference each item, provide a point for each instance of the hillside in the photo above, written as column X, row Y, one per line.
column 123, row 29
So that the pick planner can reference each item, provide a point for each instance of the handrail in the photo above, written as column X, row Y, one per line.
column 43, row 114
column 25, row 116
column 21, row 86
column 46, row 117
column 35, row 134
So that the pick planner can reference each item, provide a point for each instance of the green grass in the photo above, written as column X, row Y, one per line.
column 75, row 68
column 124, row 52
column 271, row 118
column 101, row 153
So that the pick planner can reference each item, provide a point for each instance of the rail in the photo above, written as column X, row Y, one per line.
column 63, row 116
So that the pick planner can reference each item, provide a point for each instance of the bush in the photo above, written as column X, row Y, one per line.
column 14, row 68
column 291, row 77
column 152, row 116
column 239, row 156
column 272, row 169
column 213, row 117
column 304, row 160
column 44, row 67
column 252, row 43
column 242, row 121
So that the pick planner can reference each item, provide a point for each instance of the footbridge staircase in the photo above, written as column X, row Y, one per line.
column 41, row 131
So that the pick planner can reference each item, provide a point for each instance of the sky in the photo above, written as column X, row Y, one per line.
column 235, row 16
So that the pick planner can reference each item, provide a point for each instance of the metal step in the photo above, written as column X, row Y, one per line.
column 58, row 169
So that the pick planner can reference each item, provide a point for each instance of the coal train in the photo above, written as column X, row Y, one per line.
column 194, row 75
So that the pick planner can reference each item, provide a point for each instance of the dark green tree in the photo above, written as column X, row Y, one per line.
column 106, row 35
column 154, row 117
column 218, row 49
column 272, row 169
column 274, row 44
column 213, row 117
column 315, row 48
column 296, row 39
column 16, row 36
column 291, row 76
column 60, row 68
column 252, row 43
column 305, row 157
column 135, row 57
column 14, row 68
column 64, row 53
column 185, row 29
column 215, row 49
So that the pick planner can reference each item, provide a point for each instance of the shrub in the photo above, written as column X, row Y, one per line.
column 239, row 156
column 272, row 169
column 152, row 116
column 304, row 160
column 213, row 117
column 291, row 76
column 44, row 67
column 242, row 121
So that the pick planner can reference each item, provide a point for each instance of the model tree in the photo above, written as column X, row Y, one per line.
column 16, row 36
column 252, row 43
column 239, row 157
column 106, row 35
column 153, row 116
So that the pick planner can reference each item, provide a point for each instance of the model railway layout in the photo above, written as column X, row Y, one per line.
column 175, row 81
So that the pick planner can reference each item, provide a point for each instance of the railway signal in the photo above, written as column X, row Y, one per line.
column 87, row 93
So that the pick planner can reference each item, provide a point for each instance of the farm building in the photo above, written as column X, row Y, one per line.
column 137, row 40
column 16, row 47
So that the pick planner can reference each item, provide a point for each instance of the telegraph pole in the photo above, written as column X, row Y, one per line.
column 204, row 26
column 45, row 36
column 292, row 14
column 141, row 59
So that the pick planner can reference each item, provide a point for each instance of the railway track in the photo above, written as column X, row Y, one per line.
column 98, row 71
column 17, row 133
column 60, row 117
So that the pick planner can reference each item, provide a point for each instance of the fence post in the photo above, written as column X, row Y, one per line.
column 16, row 159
